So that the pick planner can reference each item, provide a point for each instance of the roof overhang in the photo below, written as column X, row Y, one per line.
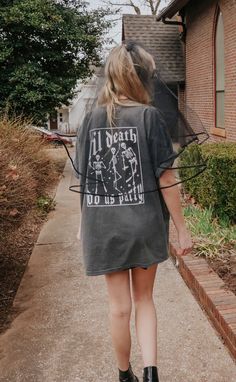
column 172, row 9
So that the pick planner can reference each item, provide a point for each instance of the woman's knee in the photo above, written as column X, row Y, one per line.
column 119, row 293
column 142, row 295
column 121, row 310
column 142, row 284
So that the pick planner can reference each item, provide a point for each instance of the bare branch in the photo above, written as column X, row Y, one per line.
column 135, row 7
column 153, row 5
column 156, row 7
column 117, row 4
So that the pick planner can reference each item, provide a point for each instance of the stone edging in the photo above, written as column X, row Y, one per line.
column 211, row 292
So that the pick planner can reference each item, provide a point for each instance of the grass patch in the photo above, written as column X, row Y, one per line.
column 212, row 236
column 45, row 204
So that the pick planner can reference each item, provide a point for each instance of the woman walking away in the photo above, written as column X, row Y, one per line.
column 126, row 201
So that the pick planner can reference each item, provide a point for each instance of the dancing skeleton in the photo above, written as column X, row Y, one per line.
column 129, row 154
column 113, row 162
column 97, row 166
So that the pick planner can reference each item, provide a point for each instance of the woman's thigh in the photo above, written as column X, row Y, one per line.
column 119, row 294
column 143, row 282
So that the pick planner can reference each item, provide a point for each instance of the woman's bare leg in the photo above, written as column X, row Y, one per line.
column 145, row 313
column 118, row 286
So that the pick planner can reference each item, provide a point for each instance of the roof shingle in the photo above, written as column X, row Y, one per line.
column 172, row 8
column 159, row 39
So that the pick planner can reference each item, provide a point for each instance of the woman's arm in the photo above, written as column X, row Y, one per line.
column 171, row 196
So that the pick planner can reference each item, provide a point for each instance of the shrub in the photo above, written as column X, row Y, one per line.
column 17, row 188
column 25, row 172
column 215, row 188
column 29, row 148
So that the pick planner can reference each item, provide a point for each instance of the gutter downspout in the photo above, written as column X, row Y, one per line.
column 181, row 23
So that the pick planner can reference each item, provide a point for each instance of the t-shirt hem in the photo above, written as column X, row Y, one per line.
column 126, row 267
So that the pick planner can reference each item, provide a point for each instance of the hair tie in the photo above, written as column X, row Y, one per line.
column 128, row 46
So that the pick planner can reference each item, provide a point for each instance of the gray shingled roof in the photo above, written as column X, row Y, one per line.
column 159, row 39
column 172, row 8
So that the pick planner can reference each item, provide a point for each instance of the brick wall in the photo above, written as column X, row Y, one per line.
column 200, row 73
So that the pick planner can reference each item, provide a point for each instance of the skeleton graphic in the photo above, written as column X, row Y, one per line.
column 129, row 155
column 113, row 162
column 97, row 166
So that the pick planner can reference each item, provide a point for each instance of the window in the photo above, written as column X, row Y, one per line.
column 219, row 72
column 61, row 117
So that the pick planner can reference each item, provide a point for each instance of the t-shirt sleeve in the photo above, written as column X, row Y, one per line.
column 80, row 148
column 76, row 158
column 159, row 142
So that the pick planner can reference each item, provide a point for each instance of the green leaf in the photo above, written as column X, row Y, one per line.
column 46, row 46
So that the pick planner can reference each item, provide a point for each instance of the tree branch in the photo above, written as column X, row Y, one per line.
column 128, row 3
column 135, row 7
column 152, row 4
column 157, row 6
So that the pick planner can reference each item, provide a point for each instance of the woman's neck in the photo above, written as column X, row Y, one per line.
column 121, row 96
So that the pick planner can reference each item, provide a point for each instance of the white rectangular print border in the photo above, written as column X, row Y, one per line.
column 114, row 173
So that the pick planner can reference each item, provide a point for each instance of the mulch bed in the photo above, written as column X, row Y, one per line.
column 14, row 261
column 226, row 269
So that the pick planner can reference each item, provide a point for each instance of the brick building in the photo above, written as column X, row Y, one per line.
column 208, row 33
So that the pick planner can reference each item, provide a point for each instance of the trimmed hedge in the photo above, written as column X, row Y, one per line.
column 216, row 187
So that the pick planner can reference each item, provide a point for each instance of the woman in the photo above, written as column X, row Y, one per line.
column 125, row 211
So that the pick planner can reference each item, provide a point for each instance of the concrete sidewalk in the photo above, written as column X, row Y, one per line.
column 61, row 335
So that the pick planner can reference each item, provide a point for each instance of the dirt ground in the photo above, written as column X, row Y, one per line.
column 13, row 265
column 225, row 267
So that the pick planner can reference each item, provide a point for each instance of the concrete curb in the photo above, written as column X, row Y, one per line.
column 210, row 291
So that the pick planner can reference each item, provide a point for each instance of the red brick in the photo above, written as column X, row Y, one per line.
column 228, row 315
column 217, row 293
column 231, row 319
column 226, row 306
column 210, row 281
column 227, row 300
column 229, row 310
column 209, row 288
column 200, row 83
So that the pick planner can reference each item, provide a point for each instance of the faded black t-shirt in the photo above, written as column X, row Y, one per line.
column 124, row 217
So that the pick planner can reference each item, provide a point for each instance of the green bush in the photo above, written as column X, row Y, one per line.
column 216, row 187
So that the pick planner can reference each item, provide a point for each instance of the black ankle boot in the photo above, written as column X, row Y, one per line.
column 127, row 376
column 150, row 374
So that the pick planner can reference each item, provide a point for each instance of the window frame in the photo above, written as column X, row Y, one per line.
column 219, row 131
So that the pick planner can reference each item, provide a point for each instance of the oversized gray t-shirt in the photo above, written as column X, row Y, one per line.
column 124, row 218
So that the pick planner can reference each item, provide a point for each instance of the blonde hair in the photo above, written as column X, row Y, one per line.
column 127, row 72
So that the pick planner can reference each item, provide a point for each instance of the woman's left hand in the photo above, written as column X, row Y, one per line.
column 185, row 243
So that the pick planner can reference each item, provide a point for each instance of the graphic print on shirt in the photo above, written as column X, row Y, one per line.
column 114, row 168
